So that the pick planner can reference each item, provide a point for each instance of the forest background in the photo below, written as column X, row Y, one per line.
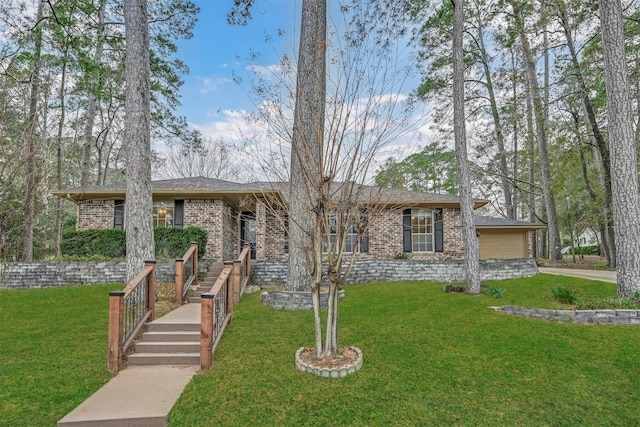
column 62, row 104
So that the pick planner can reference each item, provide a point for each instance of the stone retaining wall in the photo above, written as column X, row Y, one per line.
column 22, row 275
column 270, row 273
column 577, row 316
column 284, row 300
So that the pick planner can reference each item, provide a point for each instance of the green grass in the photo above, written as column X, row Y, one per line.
column 53, row 352
column 430, row 358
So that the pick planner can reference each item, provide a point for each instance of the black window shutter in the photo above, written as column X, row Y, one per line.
column 406, row 230
column 364, row 237
column 118, row 214
column 438, row 230
column 364, row 242
column 178, row 213
column 285, row 223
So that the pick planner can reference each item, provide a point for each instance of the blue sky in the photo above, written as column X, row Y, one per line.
column 214, row 104
column 218, row 49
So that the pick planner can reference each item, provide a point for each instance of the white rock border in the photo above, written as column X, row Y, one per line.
column 338, row 372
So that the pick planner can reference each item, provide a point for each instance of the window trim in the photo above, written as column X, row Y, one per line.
column 437, row 228
column 429, row 237
column 362, row 244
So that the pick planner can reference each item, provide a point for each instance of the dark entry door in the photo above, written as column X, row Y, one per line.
column 248, row 231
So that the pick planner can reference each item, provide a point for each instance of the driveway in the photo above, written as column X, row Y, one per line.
column 602, row 275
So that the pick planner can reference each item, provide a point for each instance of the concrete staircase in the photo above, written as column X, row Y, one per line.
column 174, row 339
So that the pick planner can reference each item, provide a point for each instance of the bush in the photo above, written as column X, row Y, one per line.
column 173, row 242
column 492, row 291
column 170, row 243
column 564, row 295
column 107, row 243
column 586, row 250
column 608, row 303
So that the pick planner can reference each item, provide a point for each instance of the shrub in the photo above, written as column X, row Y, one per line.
column 401, row 255
column 170, row 242
column 564, row 295
column 607, row 303
column 173, row 242
column 492, row 291
column 107, row 243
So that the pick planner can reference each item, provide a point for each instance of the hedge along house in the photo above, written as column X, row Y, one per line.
column 405, row 224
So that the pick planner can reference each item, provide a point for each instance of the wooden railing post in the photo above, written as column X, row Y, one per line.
column 229, row 289
column 247, row 272
column 152, row 288
column 195, row 262
column 179, row 283
column 206, row 330
column 237, row 278
column 116, row 331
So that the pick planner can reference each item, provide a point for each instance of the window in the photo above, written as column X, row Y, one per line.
column 163, row 214
column 118, row 214
column 351, row 237
column 421, row 230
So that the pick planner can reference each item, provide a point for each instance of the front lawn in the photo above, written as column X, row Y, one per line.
column 53, row 351
column 423, row 365
column 430, row 358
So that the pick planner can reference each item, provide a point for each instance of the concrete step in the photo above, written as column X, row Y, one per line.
column 171, row 336
column 195, row 299
column 173, row 327
column 136, row 359
column 168, row 347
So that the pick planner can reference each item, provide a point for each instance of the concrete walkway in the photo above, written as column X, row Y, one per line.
column 138, row 396
column 602, row 275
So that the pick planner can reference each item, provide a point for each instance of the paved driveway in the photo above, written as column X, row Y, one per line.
column 602, row 275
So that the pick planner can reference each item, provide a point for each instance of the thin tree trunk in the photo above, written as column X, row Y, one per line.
column 541, row 127
column 624, row 183
column 593, row 127
column 30, row 143
column 307, row 143
column 139, row 203
column 61, row 122
column 87, row 139
column 495, row 114
column 469, row 237
column 531, row 148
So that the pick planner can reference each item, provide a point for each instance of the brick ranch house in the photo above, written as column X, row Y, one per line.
column 422, row 228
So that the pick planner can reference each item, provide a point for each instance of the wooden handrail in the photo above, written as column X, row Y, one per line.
column 181, row 284
column 138, row 301
column 213, row 321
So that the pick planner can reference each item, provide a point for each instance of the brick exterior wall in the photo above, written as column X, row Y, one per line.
column 218, row 218
column 230, row 232
column 385, row 236
column 94, row 214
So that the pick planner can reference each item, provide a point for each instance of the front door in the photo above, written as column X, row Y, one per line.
column 248, row 231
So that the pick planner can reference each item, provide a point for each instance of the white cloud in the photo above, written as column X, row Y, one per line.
column 212, row 84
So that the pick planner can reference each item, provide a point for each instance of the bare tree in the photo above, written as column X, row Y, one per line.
column 365, row 112
column 209, row 158
column 139, row 202
column 624, row 172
